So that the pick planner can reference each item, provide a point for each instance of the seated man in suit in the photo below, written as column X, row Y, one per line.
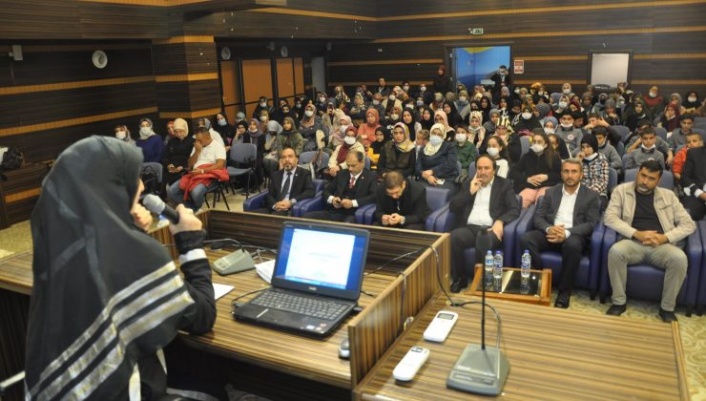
column 348, row 190
column 653, row 225
column 401, row 203
column 693, row 177
column 482, row 208
column 564, row 222
column 288, row 185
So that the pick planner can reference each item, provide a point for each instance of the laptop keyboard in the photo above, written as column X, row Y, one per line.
column 322, row 309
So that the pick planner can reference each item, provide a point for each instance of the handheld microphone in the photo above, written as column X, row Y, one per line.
column 155, row 205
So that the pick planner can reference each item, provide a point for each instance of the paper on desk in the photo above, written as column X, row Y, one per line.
column 221, row 290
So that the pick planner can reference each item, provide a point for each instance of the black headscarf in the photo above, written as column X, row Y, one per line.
column 105, row 294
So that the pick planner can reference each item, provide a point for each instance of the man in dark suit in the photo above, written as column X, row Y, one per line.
column 401, row 203
column 349, row 189
column 288, row 185
column 564, row 222
column 482, row 208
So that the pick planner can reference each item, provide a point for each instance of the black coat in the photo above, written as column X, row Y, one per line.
column 301, row 186
column 412, row 204
column 503, row 204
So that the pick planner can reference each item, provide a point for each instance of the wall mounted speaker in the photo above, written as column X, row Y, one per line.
column 99, row 59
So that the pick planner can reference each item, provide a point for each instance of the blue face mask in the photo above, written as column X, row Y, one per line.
column 222, row 122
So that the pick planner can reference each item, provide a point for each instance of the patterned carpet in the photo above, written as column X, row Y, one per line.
column 693, row 329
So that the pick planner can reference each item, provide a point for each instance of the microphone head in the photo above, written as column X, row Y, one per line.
column 153, row 203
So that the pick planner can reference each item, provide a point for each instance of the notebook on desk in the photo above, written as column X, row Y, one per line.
column 317, row 279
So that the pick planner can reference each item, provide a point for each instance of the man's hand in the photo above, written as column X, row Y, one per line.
column 670, row 159
column 385, row 219
column 333, row 171
column 427, row 173
column 651, row 238
column 141, row 216
column 497, row 228
column 703, row 196
column 197, row 147
column 346, row 203
column 336, row 202
column 395, row 219
column 282, row 205
column 431, row 180
column 475, row 185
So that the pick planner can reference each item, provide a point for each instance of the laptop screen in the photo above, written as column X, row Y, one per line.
column 321, row 259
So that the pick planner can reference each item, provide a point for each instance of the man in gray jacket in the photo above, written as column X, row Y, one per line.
column 654, row 224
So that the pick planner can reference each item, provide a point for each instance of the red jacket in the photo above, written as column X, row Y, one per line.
column 190, row 181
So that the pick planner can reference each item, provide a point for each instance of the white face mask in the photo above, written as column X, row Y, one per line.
column 405, row 88
column 567, row 126
column 517, row 91
column 691, row 99
column 121, row 134
column 376, row 102
column 420, row 102
column 526, row 115
column 566, row 91
column 422, row 89
column 540, row 93
column 349, row 140
column 435, row 140
column 460, row 138
column 591, row 156
column 322, row 99
column 145, row 130
column 343, row 129
column 653, row 94
column 263, row 104
column 549, row 131
column 263, row 118
column 394, row 116
column 462, row 99
column 646, row 148
column 391, row 98
column 562, row 105
column 537, row 148
column 222, row 122
column 309, row 113
column 493, row 152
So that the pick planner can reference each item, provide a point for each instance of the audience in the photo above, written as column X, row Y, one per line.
column 151, row 144
column 401, row 203
column 288, row 185
column 437, row 163
column 538, row 170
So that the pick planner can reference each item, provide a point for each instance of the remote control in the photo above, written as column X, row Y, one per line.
column 440, row 326
column 410, row 364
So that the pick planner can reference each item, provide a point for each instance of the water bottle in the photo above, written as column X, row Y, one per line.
column 488, row 266
column 526, row 264
column 498, row 270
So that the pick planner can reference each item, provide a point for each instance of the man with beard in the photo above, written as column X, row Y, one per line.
column 288, row 185
column 654, row 226
column 564, row 222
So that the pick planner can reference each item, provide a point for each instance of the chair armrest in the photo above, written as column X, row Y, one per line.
column 309, row 205
column 364, row 214
column 445, row 220
column 595, row 264
column 511, row 233
column 255, row 202
column 694, row 253
column 430, row 223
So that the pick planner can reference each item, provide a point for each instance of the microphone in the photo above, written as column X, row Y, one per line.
column 156, row 205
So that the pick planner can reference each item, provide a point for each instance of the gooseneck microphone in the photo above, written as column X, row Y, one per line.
column 156, row 205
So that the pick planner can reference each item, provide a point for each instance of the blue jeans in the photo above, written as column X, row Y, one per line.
column 196, row 196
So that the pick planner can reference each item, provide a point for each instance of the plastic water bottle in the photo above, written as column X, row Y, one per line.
column 526, row 264
column 488, row 266
column 498, row 270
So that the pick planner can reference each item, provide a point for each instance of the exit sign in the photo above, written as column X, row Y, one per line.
column 476, row 31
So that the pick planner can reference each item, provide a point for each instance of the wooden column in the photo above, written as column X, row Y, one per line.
column 186, row 76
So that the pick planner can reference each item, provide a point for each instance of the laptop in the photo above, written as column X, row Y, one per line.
column 316, row 282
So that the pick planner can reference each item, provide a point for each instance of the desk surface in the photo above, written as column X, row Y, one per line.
column 554, row 354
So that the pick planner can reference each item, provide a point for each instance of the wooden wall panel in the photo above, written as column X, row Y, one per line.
column 257, row 79
column 299, row 75
column 285, row 77
column 230, row 82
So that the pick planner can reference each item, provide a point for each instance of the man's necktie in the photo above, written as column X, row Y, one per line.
column 287, row 184
column 351, row 183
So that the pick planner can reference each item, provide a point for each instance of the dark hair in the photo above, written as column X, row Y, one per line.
column 549, row 152
column 504, row 152
column 593, row 115
column 462, row 126
column 285, row 147
column 652, row 166
column 687, row 116
column 393, row 179
column 600, row 131
column 647, row 130
column 486, row 156
column 358, row 155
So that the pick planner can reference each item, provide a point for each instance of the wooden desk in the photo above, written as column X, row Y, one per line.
column 401, row 289
column 545, row 292
column 554, row 354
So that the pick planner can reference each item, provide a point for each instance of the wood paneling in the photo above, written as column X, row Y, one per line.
column 257, row 80
column 230, row 82
column 299, row 75
column 285, row 77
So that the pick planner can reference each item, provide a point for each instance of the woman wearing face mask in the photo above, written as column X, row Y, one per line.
column 366, row 130
column 122, row 133
column 262, row 106
column 441, row 118
column 312, row 129
column 337, row 161
column 537, row 170
column 151, row 144
column 438, row 103
column 376, row 148
column 391, row 103
column 477, row 133
column 270, row 161
column 256, row 135
column 562, row 105
column 412, row 126
column 225, row 129
column 654, row 101
column 397, row 154
column 437, row 162
column 465, row 150
column 463, row 105
column 692, row 103
column 177, row 152
column 359, row 107
column 526, row 122
column 496, row 150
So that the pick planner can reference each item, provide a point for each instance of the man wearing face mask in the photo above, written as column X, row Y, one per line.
column 151, row 144
column 647, row 150
column 570, row 134
column 654, row 225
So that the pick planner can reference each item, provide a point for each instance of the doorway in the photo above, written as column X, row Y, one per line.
column 474, row 65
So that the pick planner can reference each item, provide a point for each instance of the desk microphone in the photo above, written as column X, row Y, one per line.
column 155, row 205
column 481, row 369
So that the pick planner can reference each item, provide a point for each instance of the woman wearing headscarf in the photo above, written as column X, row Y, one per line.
column 366, row 130
column 177, row 152
column 670, row 118
column 693, row 103
column 99, row 316
column 256, row 136
column 413, row 126
column 441, row 118
column 654, row 101
column 359, row 107
column 123, row 133
column 270, row 162
column 463, row 105
column 442, row 81
column 477, row 134
column 437, row 163
column 426, row 118
column 526, row 122
column 225, row 129
column 452, row 116
column 634, row 114
column 485, row 106
column 398, row 154
column 151, row 144
column 337, row 161
column 375, row 149
column 312, row 129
